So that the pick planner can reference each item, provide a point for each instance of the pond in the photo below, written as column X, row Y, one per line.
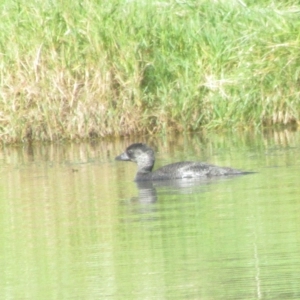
column 76, row 226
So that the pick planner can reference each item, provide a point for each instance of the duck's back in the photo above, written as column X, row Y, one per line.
column 192, row 170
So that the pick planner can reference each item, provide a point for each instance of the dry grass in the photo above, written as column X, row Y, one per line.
column 82, row 69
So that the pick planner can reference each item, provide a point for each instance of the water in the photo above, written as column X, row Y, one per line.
column 75, row 225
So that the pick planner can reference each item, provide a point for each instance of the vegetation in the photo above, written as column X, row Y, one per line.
column 79, row 69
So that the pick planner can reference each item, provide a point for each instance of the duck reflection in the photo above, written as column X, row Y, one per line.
column 147, row 190
column 153, row 197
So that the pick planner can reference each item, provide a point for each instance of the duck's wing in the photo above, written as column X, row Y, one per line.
column 192, row 170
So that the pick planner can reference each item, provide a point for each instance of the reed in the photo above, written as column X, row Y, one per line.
column 84, row 69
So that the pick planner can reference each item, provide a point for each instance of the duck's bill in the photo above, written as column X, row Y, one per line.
column 123, row 157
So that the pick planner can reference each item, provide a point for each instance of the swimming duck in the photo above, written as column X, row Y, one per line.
column 144, row 157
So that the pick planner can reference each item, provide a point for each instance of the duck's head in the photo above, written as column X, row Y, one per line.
column 141, row 154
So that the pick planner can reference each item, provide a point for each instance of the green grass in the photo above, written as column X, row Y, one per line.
column 80, row 69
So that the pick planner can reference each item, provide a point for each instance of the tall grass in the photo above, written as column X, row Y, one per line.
column 78, row 69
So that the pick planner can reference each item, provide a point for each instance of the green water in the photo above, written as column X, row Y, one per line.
column 75, row 225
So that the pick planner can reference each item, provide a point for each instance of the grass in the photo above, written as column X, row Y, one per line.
column 84, row 69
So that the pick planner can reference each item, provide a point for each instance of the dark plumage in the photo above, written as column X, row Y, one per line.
column 144, row 157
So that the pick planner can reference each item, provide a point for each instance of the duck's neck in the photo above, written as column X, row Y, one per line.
column 144, row 173
column 145, row 164
column 145, row 169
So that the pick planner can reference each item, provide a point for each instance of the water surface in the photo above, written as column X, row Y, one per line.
column 76, row 226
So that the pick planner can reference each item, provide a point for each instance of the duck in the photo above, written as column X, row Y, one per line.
column 144, row 157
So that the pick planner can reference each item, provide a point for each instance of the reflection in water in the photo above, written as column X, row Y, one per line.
column 75, row 235
column 148, row 195
column 30, row 152
column 146, row 206
column 147, row 189
column 147, row 192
